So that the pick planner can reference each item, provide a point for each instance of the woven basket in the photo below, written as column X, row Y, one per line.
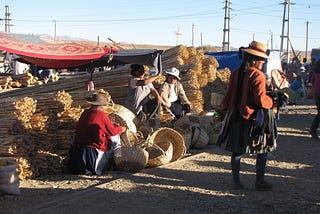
column 216, row 100
column 187, row 135
column 195, row 133
column 170, row 135
column 129, row 138
column 187, row 120
column 124, row 117
column 130, row 159
column 201, row 141
column 159, row 154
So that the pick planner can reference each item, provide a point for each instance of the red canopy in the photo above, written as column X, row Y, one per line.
column 50, row 53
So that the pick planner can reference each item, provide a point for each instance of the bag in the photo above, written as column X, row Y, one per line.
column 223, row 134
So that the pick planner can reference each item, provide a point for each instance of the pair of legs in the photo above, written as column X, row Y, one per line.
column 261, row 162
column 178, row 109
column 91, row 161
column 316, row 120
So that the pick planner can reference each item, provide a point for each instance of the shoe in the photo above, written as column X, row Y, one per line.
column 314, row 134
column 263, row 186
column 237, row 186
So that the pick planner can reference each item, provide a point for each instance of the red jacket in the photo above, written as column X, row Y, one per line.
column 253, row 96
column 94, row 129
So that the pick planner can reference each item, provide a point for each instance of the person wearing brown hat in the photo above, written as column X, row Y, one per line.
column 173, row 95
column 96, row 138
column 248, row 106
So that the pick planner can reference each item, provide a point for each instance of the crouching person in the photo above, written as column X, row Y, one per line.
column 96, row 138
column 173, row 95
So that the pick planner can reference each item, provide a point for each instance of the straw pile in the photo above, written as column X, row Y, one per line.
column 199, row 75
column 37, row 133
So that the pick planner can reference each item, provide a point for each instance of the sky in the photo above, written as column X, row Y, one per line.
column 168, row 22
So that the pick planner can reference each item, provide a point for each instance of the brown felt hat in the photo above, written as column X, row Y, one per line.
column 257, row 49
column 98, row 99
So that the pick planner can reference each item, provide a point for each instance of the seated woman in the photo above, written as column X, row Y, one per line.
column 297, row 86
column 96, row 138
column 173, row 95
column 139, row 88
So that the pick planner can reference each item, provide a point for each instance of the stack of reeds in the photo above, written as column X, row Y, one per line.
column 5, row 82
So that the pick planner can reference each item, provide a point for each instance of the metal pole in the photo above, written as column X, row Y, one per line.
column 201, row 40
column 283, row 24
column 55, row 29
column 192, row 35
column 271, row 40
column 307, row 29
column 226, row 27
column 288, row 32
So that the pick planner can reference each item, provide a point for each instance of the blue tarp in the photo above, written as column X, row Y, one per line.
column 228, row 59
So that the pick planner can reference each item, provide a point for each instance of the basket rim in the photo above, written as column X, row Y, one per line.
column 179, row 148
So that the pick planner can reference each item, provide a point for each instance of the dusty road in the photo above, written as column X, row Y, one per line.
column 198, row 183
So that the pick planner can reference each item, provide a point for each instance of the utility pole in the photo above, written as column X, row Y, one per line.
column 55, row 29
column 201, row 40
column 285, row 21
column 271, row 40
column 226, row 28
column 178, row 33
column 192, row 35
column 7, row 19
column 307, row 33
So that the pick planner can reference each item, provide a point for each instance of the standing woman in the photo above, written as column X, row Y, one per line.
column 250, row 125
column 139, row 89
column 315, row 80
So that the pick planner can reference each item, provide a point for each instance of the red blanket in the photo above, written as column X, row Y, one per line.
column 51, row 53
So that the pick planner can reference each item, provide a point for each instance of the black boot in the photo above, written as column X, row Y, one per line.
column 314, row 127
column 261, row 184
column 235, row 165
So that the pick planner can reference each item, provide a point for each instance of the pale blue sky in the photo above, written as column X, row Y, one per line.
column 156, row 21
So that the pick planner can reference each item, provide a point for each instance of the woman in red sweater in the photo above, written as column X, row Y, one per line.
column 96, row 138
column 250, row 127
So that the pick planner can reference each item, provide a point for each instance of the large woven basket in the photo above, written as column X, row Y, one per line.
column 129, row 138
column 216, row 100
column 123, row 116
column 195, row 133
column 200, row 138
column 170, row 135
column 130, row 159
column 187, row 135
column 159, row 154
column 187, row 120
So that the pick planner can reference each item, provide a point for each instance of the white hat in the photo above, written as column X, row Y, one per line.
column 174, row 72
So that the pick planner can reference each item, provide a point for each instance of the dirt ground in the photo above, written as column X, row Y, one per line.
column 198, row 183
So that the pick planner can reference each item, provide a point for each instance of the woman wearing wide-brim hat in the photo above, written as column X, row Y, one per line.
column 248, row 108
column 96, row 138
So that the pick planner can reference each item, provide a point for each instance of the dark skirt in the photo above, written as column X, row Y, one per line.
column 238, row 134
column 86, row 160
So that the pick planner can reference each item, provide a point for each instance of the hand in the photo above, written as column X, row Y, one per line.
column 160, row 100
column 273, row 95
column 283, row 99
